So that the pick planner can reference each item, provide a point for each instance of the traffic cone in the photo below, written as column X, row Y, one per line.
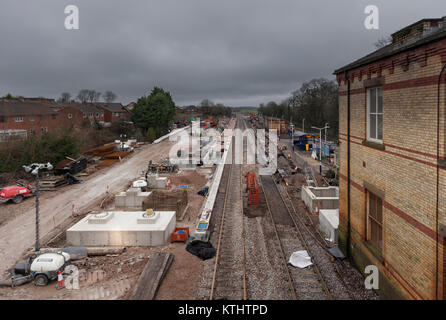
column 60, row 280
column 74, row 211
column 316, row 211
column 289, row 155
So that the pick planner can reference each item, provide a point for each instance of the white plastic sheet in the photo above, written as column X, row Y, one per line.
column 300, row 259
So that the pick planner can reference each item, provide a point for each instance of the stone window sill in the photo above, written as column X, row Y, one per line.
column 373, row 145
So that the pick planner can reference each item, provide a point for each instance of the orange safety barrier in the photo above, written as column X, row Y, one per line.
column 253, row 190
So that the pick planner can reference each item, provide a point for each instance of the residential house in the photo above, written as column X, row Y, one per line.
column 113, row 111
column 32, row 116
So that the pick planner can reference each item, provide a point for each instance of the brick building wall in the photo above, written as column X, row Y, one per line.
column 30, row 123
column 404, row 170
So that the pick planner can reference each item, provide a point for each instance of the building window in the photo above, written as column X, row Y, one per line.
column 91, row 114
column 85, row 114
column 97, row 114
column 2, row 119
column 70, row 116
column 43, row 129
column 32, row 131
column 31, row 118
column 18, row 119
column 375, row 221
column 54, row 116
column 375, row 114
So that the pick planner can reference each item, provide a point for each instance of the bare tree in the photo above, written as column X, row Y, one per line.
column 206, row 103
column 65, row 97
column 109, row 96
column 382, row 42
column 93, row 96
column 83, row 95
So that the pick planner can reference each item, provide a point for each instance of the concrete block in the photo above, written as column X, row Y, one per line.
column 122, row 229
column 329, row 223
column 324, row 197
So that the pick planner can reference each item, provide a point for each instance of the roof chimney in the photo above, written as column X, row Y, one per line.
column 417, row 30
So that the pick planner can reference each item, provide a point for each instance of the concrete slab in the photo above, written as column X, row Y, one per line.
column 156, row 182
column 324, row 197
column 131, row 199
column 123, row 229
column 329, row 223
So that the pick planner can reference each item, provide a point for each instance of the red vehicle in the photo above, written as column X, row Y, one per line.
column 15, row 193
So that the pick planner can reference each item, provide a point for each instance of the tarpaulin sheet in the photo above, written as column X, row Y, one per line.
column 203, row 250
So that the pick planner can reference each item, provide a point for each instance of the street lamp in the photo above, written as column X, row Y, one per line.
column 320, row 145
column 34, row 169
column 326, row 124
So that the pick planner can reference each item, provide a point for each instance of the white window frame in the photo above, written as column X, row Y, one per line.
column 375, row 113
column 18, row 119
column 70, row 116
column 31, row 118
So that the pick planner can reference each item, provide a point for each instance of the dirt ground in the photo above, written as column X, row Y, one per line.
column 115, row 276
column 17, row 230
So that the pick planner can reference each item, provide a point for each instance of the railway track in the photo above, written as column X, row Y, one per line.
column 229, row 275
column 304, row 284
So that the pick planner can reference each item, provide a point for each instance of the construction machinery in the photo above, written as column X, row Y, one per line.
column 164, row 167
column 16, row 193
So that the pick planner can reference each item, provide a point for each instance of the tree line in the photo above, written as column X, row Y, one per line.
column 315, row 103
column 209, row 108
column 88, row 95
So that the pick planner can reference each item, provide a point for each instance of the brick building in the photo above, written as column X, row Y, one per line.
column 32, row 116
column 275, row 123
column 37, row 115
column 392, row 162
column 113, row 111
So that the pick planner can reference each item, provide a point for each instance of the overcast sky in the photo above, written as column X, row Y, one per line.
column 238, row 52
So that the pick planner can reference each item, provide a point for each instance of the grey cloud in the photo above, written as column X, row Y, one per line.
column 236, row 52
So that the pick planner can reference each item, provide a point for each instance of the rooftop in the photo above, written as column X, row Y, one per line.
column 13, row 108
column 112, row 106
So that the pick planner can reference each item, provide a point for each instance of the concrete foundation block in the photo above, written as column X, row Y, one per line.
column 122, row 229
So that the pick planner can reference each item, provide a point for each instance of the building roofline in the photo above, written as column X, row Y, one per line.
column 374, row 56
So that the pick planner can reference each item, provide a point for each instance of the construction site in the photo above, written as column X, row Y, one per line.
column 136, row 225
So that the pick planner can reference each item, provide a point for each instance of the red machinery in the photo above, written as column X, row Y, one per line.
column 253, row 190
column 15, row 193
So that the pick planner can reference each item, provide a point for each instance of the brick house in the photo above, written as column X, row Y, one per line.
column 68, row 115
column 89, row 112
column 392, row 111
column 32, row 116
column 36, row 115
column 113, row 111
